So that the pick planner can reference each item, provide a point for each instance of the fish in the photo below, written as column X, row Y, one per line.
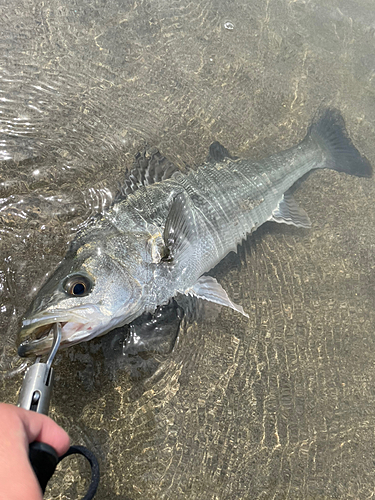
column 167, row 229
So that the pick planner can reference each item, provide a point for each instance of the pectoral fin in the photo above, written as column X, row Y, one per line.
column 180, row 229
column 208, row 288
column 288, row 212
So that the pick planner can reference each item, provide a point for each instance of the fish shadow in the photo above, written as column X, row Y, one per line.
column 139, row 347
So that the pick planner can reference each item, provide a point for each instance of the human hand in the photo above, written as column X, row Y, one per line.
column 19, row 428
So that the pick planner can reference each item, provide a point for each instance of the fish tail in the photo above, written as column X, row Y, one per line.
column 330, row 134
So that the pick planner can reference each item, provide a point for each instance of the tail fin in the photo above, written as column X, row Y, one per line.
column 330, row 134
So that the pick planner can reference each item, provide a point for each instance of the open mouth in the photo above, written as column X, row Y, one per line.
column 44, row 330
column 38, row 340
column 78, row 325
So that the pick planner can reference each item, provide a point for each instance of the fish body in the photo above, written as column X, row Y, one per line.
column 160, row 241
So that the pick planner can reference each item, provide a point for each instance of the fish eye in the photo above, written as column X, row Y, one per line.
column 77, row 286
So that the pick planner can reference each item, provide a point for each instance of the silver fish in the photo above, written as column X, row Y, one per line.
column 160, row 240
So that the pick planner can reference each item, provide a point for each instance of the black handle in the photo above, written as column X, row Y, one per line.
column 35, row 395
column 43, row 459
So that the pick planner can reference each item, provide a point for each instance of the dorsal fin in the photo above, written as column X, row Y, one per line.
column 149, row 166
column 217, row 152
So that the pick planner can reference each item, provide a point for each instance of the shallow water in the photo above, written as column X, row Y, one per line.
column 277, row 406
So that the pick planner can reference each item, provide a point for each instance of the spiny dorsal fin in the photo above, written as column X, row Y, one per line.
column 149, row 166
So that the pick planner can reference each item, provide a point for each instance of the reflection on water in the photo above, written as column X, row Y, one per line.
column 277, row 406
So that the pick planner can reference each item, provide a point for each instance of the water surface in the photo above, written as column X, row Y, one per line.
column 272, row 407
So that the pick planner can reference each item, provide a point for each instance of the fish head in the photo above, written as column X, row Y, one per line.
column 90, row 293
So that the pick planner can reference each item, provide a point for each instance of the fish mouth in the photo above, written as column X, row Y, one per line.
column 36, row 336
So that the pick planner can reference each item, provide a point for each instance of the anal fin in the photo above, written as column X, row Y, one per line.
column 288, row 212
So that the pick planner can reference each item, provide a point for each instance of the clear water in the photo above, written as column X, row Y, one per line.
column 277, row 406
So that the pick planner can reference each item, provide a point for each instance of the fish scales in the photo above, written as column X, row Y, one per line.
column 160, row 241
column 235, row 197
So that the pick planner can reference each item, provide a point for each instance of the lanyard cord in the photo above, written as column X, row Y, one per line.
column 95, row 475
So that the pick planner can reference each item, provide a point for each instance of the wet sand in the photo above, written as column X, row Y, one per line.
column 272, row 407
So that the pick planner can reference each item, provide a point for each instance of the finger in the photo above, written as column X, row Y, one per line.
column 40, row 428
